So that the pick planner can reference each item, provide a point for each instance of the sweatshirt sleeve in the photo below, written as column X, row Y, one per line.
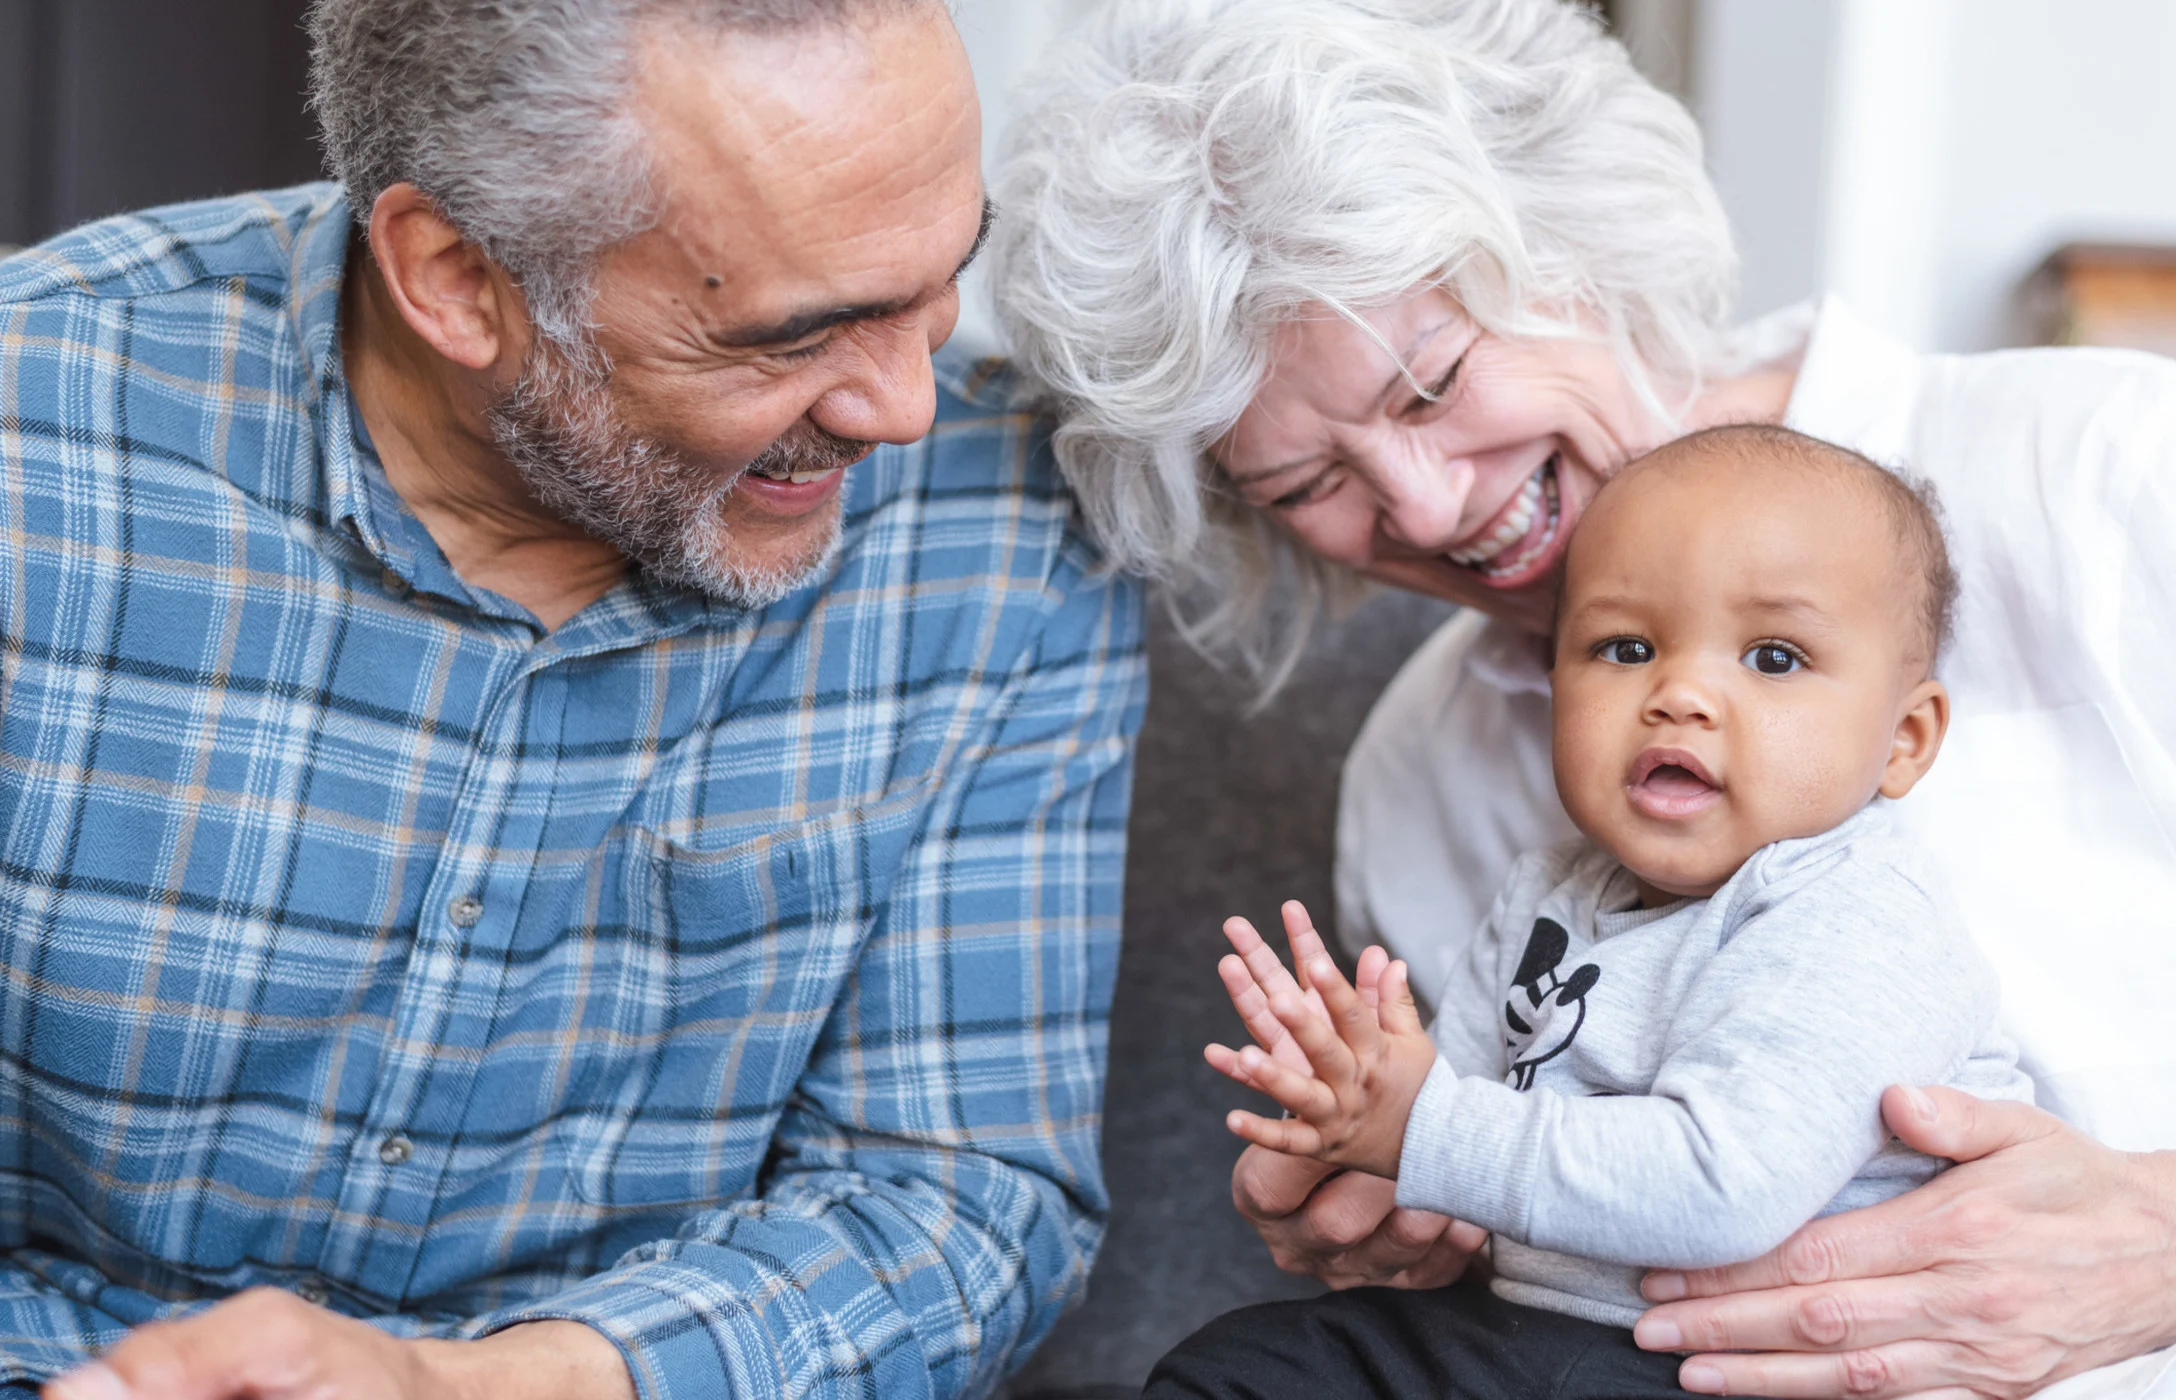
column 1766, row 1102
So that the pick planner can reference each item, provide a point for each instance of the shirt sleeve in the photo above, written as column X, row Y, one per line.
column 1766, row 1102
column 934, row 1197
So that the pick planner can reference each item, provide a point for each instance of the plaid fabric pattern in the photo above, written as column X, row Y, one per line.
column 733, row 983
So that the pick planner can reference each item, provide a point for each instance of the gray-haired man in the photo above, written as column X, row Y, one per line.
column 535, row 859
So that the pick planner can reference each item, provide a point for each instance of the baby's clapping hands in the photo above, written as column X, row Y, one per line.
column 1345, row 1062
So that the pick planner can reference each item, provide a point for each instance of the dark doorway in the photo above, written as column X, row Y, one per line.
column 109, row 105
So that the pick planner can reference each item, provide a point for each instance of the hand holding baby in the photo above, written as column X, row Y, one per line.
column 1345, row 1061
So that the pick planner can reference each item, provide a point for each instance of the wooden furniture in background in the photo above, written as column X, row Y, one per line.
column 2114, row 294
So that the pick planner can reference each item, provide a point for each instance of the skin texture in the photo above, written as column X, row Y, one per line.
column 801, row 172
column 2046, row 1255
column 1694, row 566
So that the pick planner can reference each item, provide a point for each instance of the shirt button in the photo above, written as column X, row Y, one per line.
column 394, row 584
column 465, row 910
column 396, row 1150
column 313, row 1292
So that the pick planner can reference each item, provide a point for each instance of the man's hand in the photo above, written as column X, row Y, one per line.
column 2043, row 1254
column 1346, row 1228
column 265, row 1345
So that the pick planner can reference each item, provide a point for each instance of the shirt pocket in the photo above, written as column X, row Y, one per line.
column 731, row 965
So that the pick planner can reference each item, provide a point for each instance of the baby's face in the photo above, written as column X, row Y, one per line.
column 1738, row 661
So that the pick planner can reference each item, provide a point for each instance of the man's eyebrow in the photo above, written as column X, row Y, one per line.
column 982, row 237
column 808, row 323
column 1397, row 377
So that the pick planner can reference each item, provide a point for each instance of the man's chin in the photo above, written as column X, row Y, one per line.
column 747, row 566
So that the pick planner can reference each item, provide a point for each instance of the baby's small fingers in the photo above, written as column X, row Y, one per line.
column 1226, row 1061
column 1301, row 937
column 1294, row 1092
column 1369, row 979
column 1397, row 1012
column 1261, row 959
column 1316, row 1037
column 1291, row 1136
column 1252, row 1004
column 1354, row 1018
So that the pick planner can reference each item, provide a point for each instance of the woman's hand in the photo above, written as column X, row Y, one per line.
column 2043, row 1254
column 1346, row 1228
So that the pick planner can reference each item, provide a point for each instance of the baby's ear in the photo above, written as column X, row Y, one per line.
column 1917, row 740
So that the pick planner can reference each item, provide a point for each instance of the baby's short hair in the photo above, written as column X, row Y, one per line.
column 1914, row 509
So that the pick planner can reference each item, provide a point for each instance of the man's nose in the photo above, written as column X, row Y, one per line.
column 890, row 394
column 1422, row 504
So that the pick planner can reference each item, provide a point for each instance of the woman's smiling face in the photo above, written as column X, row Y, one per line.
column 1470, row 497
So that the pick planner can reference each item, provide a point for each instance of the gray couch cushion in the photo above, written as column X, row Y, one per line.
column 1232, row 814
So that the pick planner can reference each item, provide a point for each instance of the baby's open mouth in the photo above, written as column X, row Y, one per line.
column 1671, row 783
column 1525, row 529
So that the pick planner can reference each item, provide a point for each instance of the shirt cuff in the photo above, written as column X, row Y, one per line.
column 688, row 1334
column 1469, row 1151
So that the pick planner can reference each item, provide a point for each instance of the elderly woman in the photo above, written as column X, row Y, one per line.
column 1331, row 292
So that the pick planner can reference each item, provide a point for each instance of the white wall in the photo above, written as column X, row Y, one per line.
column 1003, row 38
column 1922, row 156
column 1918, row 156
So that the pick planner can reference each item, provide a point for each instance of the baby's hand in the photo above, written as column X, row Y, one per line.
column 1255, row 974
column 1365, row 1056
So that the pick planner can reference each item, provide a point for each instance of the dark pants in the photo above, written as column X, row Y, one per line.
column 1456, row 1343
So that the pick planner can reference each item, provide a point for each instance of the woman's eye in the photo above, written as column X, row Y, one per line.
column 1438, row 392
column 1627, row 651
column 1773, row 659
column 1317, row 489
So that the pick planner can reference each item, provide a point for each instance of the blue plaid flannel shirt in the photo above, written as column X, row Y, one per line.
column 733, row 983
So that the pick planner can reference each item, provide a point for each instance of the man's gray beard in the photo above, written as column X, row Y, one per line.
column 563, row 433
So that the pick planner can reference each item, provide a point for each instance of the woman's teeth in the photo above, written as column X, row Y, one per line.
column 1537, row 499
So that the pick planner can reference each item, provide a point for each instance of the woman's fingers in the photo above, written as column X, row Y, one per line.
column 1916, row 1369
column 1289, row 1135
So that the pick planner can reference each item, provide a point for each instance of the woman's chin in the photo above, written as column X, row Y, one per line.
column 1529, row 603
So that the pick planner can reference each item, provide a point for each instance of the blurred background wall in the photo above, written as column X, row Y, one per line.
column 1921, row 157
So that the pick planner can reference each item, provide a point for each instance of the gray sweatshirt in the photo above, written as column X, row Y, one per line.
column 1618, row 1089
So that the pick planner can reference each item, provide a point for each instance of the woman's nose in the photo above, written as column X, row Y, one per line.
column 1421, row 507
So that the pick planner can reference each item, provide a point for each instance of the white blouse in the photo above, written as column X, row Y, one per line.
column 2052, row 806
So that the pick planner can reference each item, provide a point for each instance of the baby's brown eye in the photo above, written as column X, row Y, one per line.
column 1627, row 651
column 1772, row 660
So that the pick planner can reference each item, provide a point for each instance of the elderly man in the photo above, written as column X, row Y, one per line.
column 539, row 861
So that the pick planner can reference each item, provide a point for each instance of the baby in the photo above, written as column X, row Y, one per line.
column 1667, row 1047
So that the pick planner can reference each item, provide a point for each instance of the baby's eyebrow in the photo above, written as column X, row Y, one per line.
column 1795, row 604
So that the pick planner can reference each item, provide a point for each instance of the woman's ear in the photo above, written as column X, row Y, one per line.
column 452, row 295
column 1917, row 740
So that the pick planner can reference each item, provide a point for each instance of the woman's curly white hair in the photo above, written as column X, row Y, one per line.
column 1187, row 175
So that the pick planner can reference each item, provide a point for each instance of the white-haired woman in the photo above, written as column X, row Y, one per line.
column 1332, row 291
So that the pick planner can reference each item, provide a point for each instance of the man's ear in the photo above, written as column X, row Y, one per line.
column 1917, row 740
column 453, row 296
